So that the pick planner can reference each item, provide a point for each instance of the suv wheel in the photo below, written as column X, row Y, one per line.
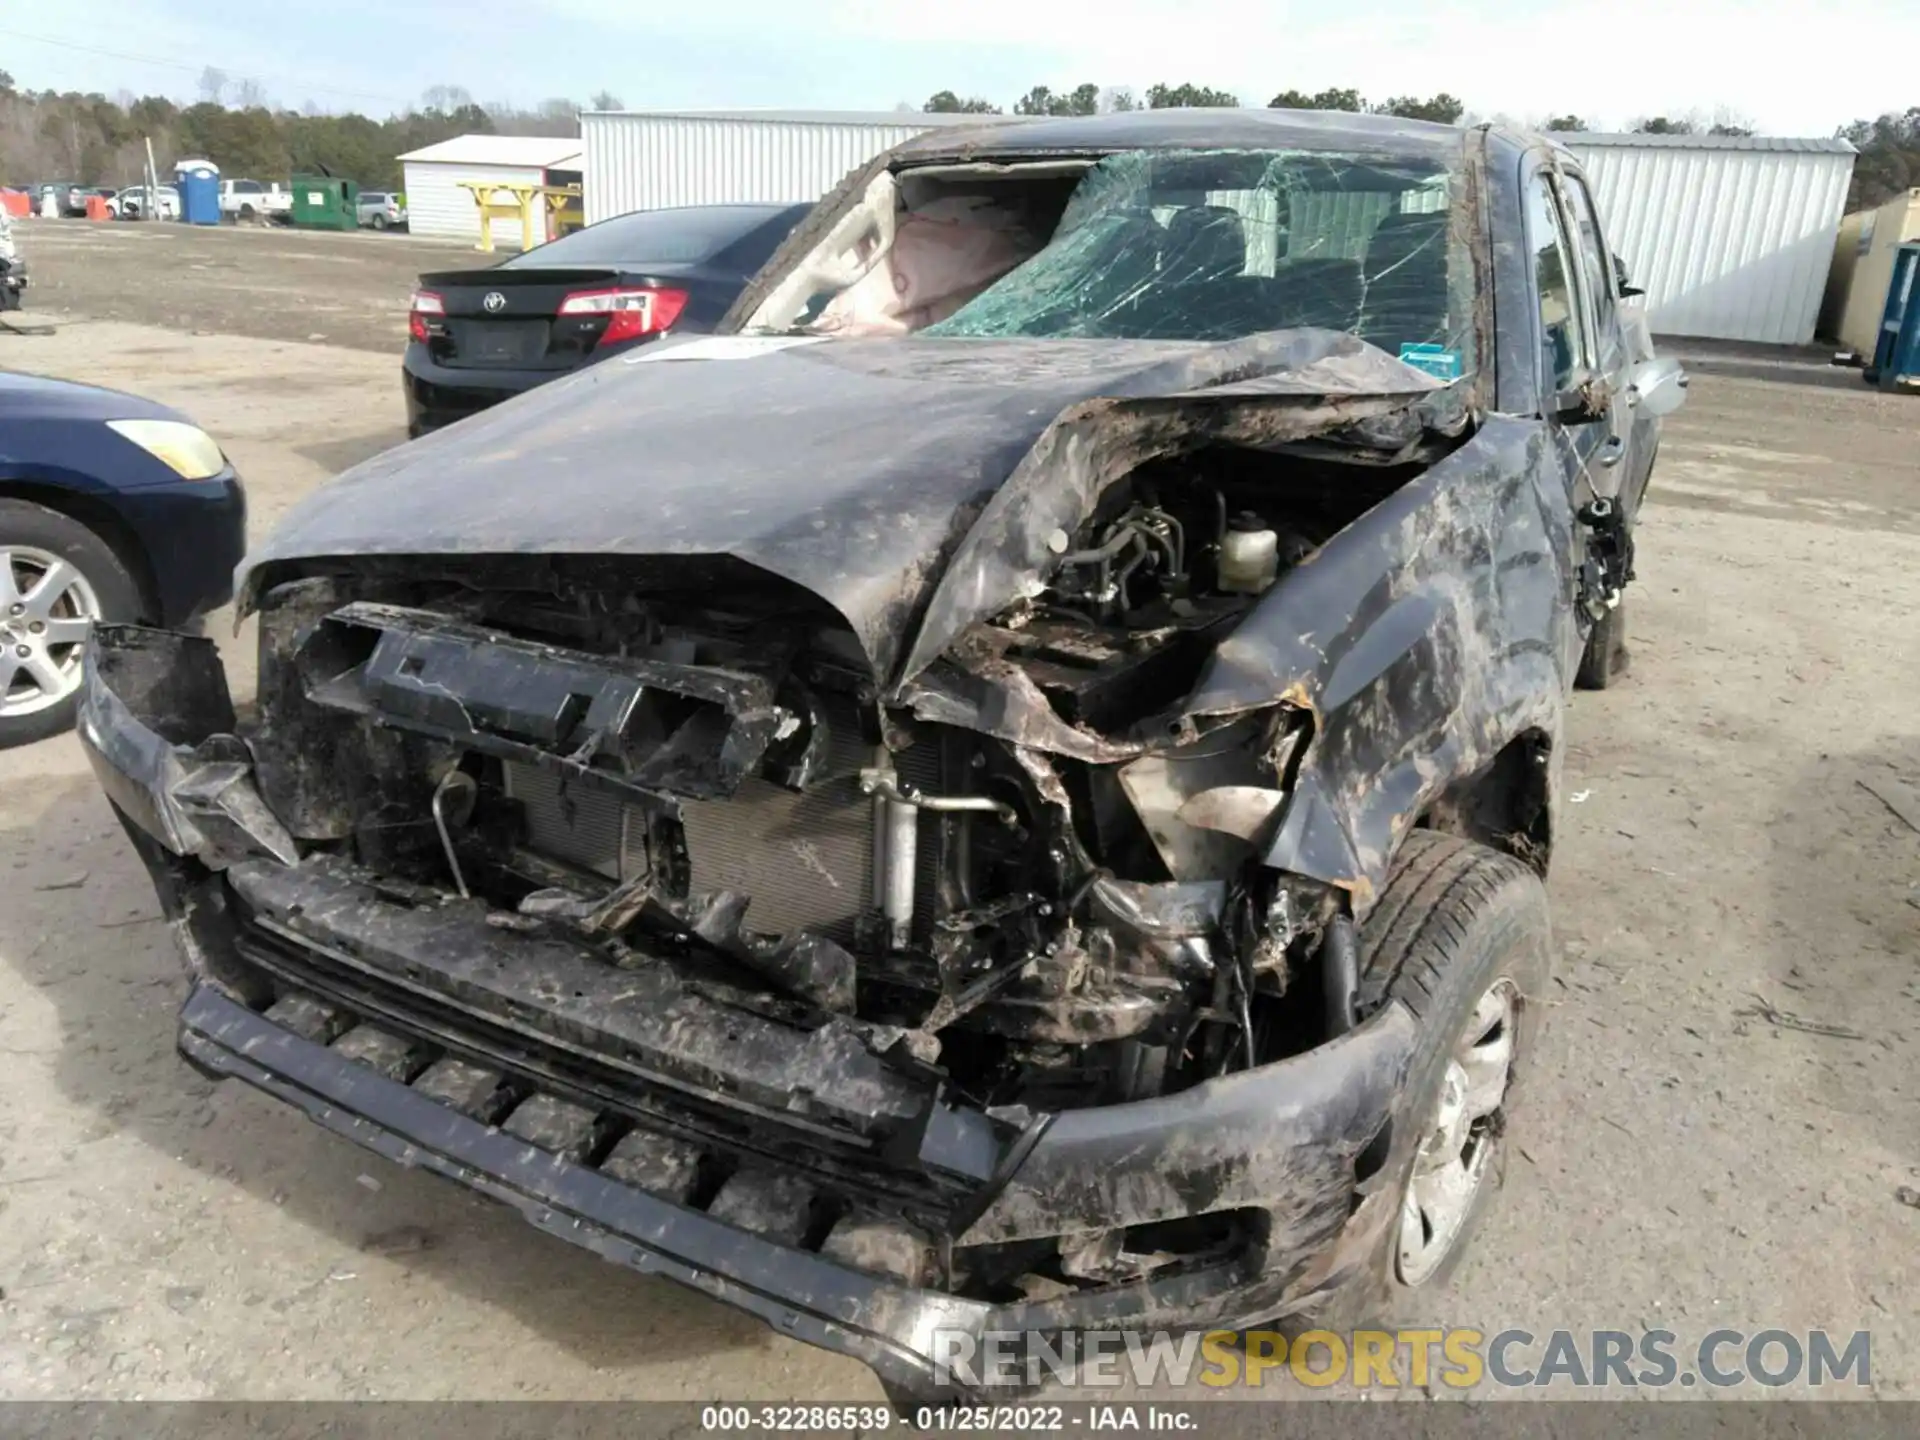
column 56, row 579
column 1460, row 937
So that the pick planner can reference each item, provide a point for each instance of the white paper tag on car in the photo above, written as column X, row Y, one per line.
column 723, row 347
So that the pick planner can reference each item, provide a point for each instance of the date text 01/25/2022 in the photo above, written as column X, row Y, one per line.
column 977, row 1418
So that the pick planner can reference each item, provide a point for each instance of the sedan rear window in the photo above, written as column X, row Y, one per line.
column 653, row 237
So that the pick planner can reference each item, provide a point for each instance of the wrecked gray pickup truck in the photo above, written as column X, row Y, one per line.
column 1004, row 792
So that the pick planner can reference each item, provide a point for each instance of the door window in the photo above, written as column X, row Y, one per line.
column 1563, row 339
column 1594, row 267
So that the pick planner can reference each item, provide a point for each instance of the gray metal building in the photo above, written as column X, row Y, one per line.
column 1729, row 235
column 645, row 159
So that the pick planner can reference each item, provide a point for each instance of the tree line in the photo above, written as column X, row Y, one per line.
column 1096, row 100
column 89, row 139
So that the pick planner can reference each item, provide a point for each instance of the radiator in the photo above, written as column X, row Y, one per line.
column 804, row 860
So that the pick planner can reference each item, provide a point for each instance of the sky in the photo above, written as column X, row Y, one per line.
column 1768, row 62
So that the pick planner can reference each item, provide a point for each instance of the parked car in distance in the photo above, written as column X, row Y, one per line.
column 13, row 270
column 57, row 190
column 1007, row 789
column 112, row 508
column 251, row 201
column 141, row 202
column 382, row 209
column 476, row 337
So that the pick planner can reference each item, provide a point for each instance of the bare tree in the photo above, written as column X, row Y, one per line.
column 247, row 95
column 606, row 100
column 445, row 98
column 213, row 84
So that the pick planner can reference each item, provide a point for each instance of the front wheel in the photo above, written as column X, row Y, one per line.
column 56, row 579
column 1460, row 938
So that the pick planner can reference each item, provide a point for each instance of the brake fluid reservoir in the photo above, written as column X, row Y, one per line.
column 1249, row 556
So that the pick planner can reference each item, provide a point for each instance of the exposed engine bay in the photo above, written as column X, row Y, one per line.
column 714, row 781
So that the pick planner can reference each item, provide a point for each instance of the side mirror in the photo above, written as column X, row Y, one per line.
column 1657, row 387
column 1627, row 287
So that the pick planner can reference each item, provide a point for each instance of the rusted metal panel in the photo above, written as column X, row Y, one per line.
column 1730, row 241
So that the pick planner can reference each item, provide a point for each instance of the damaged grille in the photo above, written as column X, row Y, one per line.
column 441, row 1040
column 805, row 859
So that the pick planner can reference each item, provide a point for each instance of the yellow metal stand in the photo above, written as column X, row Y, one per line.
column 562, row 209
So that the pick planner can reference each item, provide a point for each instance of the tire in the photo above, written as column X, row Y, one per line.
column 27, row 527
column 379, row 222
column 248, row 214
column 1455, row 923
column 1605, row 658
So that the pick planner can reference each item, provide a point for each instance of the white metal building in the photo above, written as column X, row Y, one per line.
column 437, row 205
column 646, row 159
column 1730, row 236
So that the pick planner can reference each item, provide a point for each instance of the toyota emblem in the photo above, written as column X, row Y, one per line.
column 494, row 303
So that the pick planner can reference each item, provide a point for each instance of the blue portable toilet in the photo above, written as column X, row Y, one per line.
column 199, row 184
column 1896, row 353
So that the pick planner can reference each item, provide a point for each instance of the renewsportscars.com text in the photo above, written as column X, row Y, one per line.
column 1460, row 1359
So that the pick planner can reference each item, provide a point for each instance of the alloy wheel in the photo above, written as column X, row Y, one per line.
column 1462, row 1138
column 46, row 609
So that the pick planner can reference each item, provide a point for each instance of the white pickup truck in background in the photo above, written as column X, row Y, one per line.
column 252, row 201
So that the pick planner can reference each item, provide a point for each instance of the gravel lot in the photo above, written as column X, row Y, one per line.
column 1690, row 1162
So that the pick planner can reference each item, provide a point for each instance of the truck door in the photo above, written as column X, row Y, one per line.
column 1577, row 408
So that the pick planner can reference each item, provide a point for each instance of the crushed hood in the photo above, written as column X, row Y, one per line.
column 853, row 468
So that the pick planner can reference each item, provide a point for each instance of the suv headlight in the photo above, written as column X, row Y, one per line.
column 186, row 449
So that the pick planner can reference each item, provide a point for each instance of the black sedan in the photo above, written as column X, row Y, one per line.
column 112, row 508
column 477, row 337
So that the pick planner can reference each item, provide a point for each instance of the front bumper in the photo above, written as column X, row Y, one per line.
column 1281, row 1141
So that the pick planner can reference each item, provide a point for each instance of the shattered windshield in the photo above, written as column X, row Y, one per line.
column 1155, row 245
column 1215, row 246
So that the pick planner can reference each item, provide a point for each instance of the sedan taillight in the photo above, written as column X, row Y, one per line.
column 631, row 313
column 425, row 303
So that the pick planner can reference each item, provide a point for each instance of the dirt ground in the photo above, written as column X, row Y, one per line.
column 1692, row 1158
column 269, row 282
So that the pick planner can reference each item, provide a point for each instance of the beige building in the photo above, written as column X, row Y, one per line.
column 1862, row 270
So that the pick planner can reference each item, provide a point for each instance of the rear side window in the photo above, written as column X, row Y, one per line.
column 1562, row 337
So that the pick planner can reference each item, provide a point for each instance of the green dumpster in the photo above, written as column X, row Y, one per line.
column 321, row 202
